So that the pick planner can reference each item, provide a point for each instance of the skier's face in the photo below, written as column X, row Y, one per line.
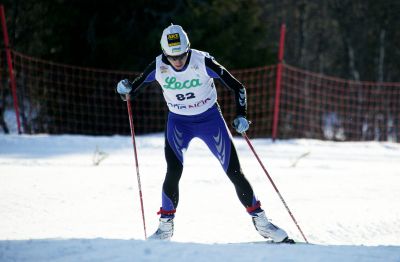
column 178, row 62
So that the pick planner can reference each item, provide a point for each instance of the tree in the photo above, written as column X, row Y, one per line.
column 126, row 35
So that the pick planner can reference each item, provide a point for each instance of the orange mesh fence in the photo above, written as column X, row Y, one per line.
column 316, row 106
column 60, row 99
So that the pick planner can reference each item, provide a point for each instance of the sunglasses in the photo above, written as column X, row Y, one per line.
column 178, row 57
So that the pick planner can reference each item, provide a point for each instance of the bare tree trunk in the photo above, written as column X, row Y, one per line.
column 353, row 124
column 302, row 34
column 2, row 110
column 381, row 58
column 352, row 64
column 386, row 116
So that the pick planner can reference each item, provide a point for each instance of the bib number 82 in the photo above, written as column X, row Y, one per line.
column 182, row 97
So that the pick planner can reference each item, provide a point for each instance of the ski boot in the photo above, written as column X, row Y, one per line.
column 269, row 230
column 165, row 229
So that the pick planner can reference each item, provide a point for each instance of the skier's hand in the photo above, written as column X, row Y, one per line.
column 241, row 124
column 124, row 87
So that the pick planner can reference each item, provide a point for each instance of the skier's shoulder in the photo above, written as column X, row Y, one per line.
column 200, row 53
column 159, row 58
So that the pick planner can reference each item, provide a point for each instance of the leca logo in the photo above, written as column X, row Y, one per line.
column 171, row 83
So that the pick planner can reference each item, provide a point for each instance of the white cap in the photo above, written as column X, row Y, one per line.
column 174, row 40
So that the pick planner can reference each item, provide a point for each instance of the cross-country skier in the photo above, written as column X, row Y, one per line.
column 186, row 79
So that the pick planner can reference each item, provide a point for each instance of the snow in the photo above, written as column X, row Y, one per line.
column 75, row 198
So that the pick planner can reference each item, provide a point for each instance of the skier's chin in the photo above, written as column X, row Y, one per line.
column 178, row 67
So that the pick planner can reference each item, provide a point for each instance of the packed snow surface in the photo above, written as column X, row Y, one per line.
column 76, row 198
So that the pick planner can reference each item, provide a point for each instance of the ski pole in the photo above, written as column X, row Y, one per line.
column 273, row 184
column 128, row 103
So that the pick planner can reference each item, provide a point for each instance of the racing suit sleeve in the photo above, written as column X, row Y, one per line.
column 147, row 77
column 215, row 70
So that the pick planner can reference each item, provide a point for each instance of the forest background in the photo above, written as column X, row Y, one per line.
column 352, row 39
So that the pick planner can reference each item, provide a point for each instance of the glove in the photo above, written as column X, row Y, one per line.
column 124, row 87
column 240, row 124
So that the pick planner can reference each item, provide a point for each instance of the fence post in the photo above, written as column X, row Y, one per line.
column 278, row 82
column 10, row 67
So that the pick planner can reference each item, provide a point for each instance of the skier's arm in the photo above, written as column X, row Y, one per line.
column 132, row 88
column 215, row 70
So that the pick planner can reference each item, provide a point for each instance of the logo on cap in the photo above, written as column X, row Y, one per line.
column 173, row 39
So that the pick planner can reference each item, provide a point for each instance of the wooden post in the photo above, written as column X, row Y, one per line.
column 278, row 82
column 10, row 66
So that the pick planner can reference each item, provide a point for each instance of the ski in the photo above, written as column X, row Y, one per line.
column 271, row 242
